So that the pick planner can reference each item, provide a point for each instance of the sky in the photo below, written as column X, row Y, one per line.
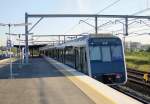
column 13, row 11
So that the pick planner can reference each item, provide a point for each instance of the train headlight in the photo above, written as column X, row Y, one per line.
column 118, row 76
column 110, row 78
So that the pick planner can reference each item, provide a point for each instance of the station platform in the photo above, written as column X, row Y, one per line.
column 38, row 83
column 46, row 81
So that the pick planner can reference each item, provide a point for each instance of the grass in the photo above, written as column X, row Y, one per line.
column 0, row 52
column 138, row 60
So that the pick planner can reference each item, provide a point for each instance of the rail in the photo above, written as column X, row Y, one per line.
column 137, row 77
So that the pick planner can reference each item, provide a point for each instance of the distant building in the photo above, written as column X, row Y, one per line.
column 145, row 47
column 133, row 46
column 136, row 46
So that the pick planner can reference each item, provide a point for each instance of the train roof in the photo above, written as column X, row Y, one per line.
column 79, row 41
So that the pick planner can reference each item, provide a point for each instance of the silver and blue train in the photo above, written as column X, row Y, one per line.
column 99, row 56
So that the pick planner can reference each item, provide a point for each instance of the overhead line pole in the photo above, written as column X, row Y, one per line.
column 74, row 16
column 84, row 15
column 26, row 39
column 96, row 29
column 11, row 71
column 126, row 26
column 55, row 35
column 35, row 24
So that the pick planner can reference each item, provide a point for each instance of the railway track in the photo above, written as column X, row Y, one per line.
column 136, row 76
column 132, row 93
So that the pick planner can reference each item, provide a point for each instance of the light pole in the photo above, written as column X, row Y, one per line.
column 10, row 44
column 11, row 71
column 19, row 35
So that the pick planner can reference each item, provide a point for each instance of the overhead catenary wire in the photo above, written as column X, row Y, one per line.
column 114, row 22
column 110, row 5
column 139, row 22
column 70, row 29
column 136, row 13
column 147, row 9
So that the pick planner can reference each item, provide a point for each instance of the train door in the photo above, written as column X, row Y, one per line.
column 83, row 60
column 64, row 55
column 85, row 68
column 61, row 55
column 77, row 59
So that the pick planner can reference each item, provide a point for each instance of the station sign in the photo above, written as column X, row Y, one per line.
column 9, row 44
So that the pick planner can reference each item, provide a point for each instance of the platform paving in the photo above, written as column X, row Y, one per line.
column 38, row 83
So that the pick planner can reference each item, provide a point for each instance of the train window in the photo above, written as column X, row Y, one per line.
column 106, row 56
column 116, row 52
column 95, row 53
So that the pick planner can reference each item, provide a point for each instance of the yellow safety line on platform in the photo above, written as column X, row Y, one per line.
column 89, row 90
column 4, row 61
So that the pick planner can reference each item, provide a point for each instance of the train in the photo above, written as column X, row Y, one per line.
column 3, row 56
column 99, row 56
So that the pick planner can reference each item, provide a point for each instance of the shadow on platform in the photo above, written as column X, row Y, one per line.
column 37, row 68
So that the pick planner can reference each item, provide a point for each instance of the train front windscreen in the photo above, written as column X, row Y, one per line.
column 106, row 59
column 106, row 53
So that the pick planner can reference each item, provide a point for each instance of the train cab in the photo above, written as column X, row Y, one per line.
column 106, row 56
